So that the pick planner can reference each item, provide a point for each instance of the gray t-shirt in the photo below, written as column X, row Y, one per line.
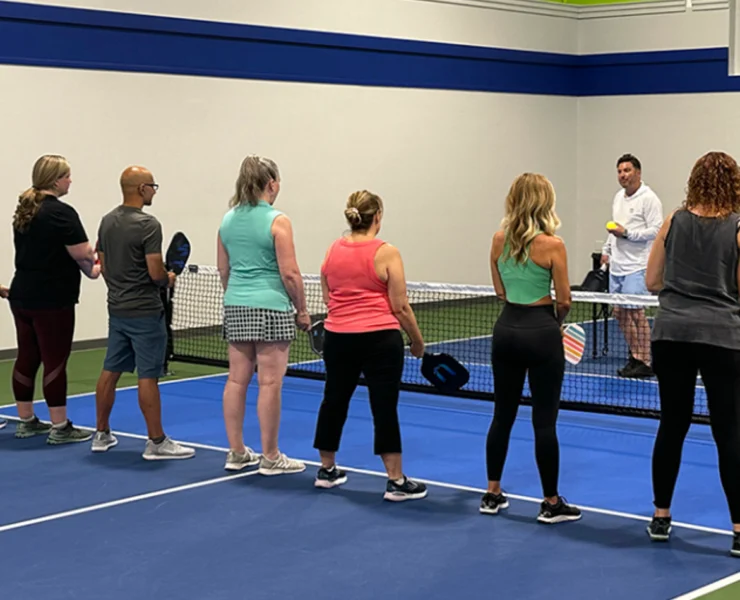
column 699, row 301
column 126, row 235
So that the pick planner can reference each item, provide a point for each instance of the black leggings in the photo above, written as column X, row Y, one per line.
column 676, row 364
column 527, row 339
column 379, row 356
column 44, row 336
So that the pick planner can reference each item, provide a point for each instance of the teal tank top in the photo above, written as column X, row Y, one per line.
column 525, row 283
column 254, row 277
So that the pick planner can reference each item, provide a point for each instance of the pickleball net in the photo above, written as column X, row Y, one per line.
column 456, row 319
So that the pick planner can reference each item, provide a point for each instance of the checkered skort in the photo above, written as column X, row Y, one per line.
column 245, row 324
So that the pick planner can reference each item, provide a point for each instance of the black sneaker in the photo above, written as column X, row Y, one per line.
column 408, row 490
column 558, row 513
column 735, row 545
column 636, row 369
column 659, row 529
column 491, row 503
column 628, row 366
column 329, row 478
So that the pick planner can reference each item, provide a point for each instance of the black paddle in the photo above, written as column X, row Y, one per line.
column 178, row 253
column 176, row 257
column 442, row 370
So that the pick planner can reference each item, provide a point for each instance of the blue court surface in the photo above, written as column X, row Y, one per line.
column 79, row 525
column 594, row 380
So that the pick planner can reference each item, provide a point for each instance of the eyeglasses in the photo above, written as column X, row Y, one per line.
column 154, row 186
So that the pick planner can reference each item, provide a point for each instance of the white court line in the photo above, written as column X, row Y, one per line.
column 452, row 486
column 119, row 502
column 123, row 389
column 689, row 596
column 712, row 587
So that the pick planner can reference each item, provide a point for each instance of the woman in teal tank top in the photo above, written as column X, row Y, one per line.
column 263, row 302
column 526, row 257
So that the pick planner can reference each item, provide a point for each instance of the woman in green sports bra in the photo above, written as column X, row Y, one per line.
column 526, row 257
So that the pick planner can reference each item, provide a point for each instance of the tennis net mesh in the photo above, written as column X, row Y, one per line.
column 456, row 319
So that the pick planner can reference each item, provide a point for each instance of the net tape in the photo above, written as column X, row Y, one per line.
column 417, row 291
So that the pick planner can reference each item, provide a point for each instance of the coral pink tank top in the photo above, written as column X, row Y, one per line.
column 358, row 298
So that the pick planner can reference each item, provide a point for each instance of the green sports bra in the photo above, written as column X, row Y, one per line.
column 525, row 283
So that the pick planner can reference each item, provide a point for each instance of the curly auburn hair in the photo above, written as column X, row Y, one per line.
column 714, row 185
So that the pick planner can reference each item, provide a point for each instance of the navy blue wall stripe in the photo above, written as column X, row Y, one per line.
column 38, row 35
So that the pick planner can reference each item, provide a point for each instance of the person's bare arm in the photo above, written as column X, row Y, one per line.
column 152, row 242
column 324, row 282
column 290, row 273
column 559, row 266
column 222, row 263
column 157, row 272
column 656, row 261
column 84, row 255
column 398, row 298
column 497, row 247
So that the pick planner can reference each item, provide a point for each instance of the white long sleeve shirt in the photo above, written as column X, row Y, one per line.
column 642, row 216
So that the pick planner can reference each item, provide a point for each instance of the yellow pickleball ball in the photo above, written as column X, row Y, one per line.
column 611, row 225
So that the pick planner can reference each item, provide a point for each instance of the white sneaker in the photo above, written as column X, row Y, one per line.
column 237, row 462
column 167, row 450
column 282, row 465
column 103, row 441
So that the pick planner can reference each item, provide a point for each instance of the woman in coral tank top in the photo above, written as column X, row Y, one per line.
column 364, row 287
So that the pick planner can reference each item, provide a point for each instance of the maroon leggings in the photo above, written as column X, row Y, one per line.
column 44, row 336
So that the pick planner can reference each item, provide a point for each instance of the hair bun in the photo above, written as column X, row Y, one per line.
column 353, row 215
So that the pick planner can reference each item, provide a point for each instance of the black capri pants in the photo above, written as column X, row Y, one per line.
column 378, row 355
column 677, row 364
column 527, row 339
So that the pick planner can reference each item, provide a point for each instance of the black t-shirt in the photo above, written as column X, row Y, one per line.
column 46, row 276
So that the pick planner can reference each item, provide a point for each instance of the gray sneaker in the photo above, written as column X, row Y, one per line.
column 69, row 434
column 282, row 465
column 103, row 441
column 27, row 429
column 167, row 450
column 237, row 462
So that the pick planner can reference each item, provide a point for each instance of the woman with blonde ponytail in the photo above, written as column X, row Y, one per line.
column 51, row 248
column 264, row 302
column 364, row 287
column 526, row 259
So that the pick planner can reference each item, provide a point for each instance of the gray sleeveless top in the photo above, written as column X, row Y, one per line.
column 699, row 300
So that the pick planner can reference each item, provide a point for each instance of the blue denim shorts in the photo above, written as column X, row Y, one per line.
column 136, row 343
column 632, row 284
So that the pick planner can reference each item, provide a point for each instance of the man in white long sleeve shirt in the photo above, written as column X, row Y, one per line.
column 638, row 213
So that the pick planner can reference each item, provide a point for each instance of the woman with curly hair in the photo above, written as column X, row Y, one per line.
column 526, row 257
column 694, row 266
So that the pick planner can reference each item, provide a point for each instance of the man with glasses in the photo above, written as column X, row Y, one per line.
column 130, row 254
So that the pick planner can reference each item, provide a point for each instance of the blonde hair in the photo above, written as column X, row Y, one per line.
column 47, row 170
column 255, row 174
column 530, row 210
column 361, row 209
